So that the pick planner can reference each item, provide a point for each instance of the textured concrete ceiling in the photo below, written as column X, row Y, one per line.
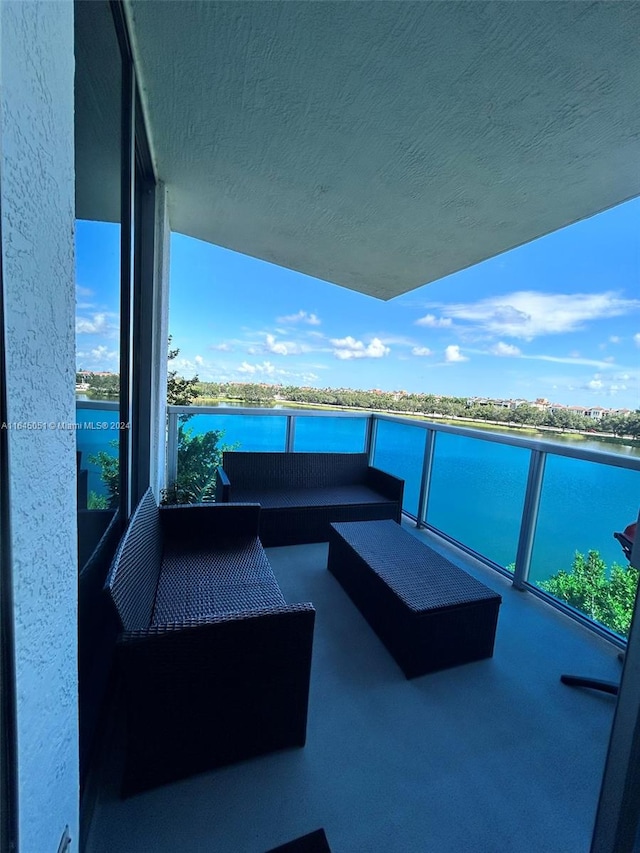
column 383, row 145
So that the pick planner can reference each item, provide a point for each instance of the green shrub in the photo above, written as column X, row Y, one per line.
column 606, row 598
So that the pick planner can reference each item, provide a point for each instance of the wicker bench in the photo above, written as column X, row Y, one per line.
column 302, row 493
column 215, row 665
column 429, row 613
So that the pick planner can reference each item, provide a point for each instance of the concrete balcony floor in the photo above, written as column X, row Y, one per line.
column 487, row 757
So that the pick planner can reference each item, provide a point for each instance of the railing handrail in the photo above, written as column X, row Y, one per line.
column 269, row 412
column 101, row 405
column 604, row 457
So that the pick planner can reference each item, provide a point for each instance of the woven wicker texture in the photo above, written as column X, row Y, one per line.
column 419, row 576
column 198, row 583
column 309, row 497
column 429, row 613
column 311, row 524
column 206, row 694
column 133, row 578
column 202, row 524
column 294, row 470
column 301, row 493
column 218, row 671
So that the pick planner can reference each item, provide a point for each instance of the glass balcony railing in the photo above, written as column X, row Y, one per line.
column 242, row 429
column 339, row 434
column 542, row 512
column 399, row 449
column 477, row 493
column 96, row 433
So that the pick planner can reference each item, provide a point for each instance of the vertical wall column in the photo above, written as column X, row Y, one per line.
column 37, row 206
column 160, row 342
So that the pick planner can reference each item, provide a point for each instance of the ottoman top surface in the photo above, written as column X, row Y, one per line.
column 417, row 574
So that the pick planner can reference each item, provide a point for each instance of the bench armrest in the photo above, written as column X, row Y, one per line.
column 191, row 523
column 387, row 484
column 201, row 694
column 223, row 486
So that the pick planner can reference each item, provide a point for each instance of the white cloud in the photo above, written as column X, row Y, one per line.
column 96, row 324
column 300, row 317
column 99, row 358
column 282, row 347
column 277, row 348
column 396, row 340
column 421, row 351
column 433, row 322
column 503, row 349
column 530, row 314
column 452, row 354
column 558, row 359
column 265, row 368
column 199, row 360
column 346, row 348
column 615, row 339
column 606, row 387
column 636, row 339
column 223, row 347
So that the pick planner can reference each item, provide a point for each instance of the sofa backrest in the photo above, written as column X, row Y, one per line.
column 134, row 573
column 257, row 470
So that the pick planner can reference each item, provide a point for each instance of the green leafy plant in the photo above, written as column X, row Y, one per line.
column 198, row 459
column 606, row 597
column 96, row 501
column 110, row 474
column 180, row 391
column 198, row 455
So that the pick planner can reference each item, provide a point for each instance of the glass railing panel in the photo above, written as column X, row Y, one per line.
column 477, row 494
column 202, row 439
column 97, row 436
column 329, row 434
column 581, row 505
column 399, row 450
column 242, row 432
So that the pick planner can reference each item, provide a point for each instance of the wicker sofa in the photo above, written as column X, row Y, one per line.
column 301, row 494
column 215, row 665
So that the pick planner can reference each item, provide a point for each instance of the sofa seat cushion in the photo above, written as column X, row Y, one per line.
column 199, row 582
column 309, row 497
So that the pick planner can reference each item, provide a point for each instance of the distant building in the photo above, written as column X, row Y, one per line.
column 596, row 413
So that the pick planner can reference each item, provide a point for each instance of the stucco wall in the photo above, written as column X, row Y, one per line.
column 37, row 186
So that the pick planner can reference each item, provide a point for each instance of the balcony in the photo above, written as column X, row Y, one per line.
column 521, row 506
column 496, row 755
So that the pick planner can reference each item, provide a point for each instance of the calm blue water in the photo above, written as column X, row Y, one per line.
column 477, row 489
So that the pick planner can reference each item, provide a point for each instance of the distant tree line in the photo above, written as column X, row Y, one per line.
column 182, row 391
column 100, row 385
column 423, row 404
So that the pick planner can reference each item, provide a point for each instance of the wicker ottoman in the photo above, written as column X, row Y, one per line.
column 429, row 613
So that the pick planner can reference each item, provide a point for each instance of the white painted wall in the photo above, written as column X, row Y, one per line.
column 37, row 187
column 162, row 241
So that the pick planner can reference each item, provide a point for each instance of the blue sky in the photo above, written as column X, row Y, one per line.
column 557, row 318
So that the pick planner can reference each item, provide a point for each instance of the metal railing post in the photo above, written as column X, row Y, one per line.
column 425, row 480
column 529, row 518
column 370, row 438
column 291, row 434
column 172, row 449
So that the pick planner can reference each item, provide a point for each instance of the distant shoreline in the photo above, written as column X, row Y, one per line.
column 544, row 432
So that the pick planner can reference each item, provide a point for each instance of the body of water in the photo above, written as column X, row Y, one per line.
column 477, row 488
